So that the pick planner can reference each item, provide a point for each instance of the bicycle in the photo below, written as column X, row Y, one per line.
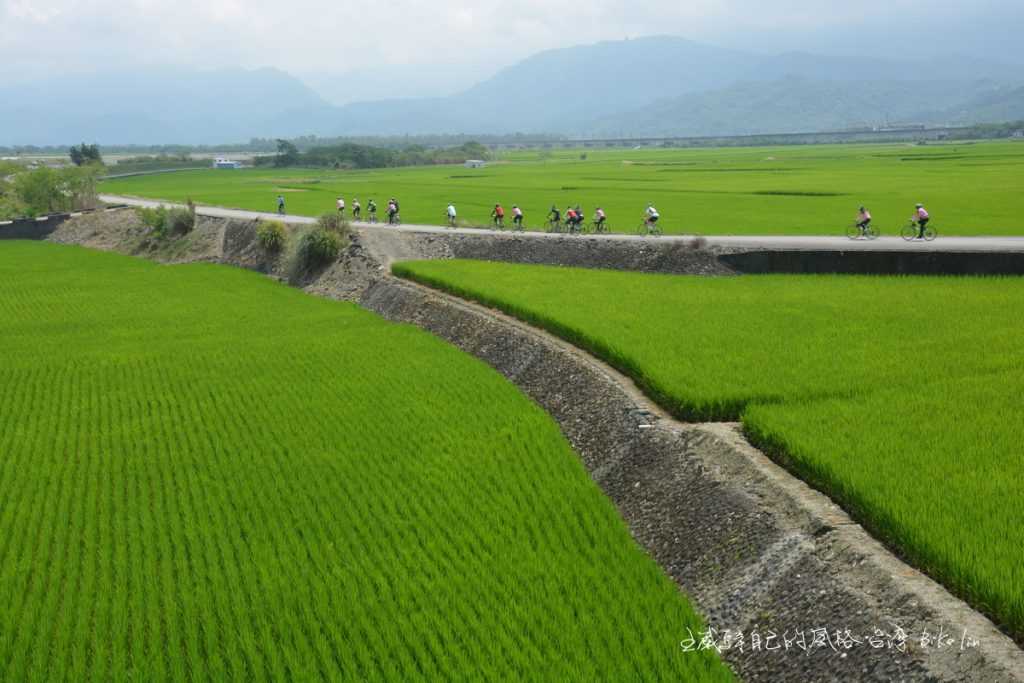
column 554, row 226
column 647, row 228
column 869, row 232
column 910, row 232
column 372, row 217
column 600, row 227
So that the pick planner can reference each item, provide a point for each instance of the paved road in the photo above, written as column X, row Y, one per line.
column 772, row 242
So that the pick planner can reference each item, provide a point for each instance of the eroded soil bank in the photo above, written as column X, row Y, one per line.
column 757, row 550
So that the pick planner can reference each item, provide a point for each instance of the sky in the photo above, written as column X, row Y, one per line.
column 444, row 45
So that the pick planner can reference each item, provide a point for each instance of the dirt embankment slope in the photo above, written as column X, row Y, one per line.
column 371, row 251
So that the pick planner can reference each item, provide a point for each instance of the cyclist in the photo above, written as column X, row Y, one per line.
column 392, row 211
column 341, row 207
column 280, row 204
column 451, row 214
column 920, row 218
column 570, row 218
column 498, row 216
column 517, row 217
column 599, row 219
column 863, row 220
column 651, row 216
column 554, row 216
column 356, row 209
column 371, row 207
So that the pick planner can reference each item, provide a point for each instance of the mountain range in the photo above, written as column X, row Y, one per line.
column 651, row 86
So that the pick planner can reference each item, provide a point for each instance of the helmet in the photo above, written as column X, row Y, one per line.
column 861, row 208
column 919, row 205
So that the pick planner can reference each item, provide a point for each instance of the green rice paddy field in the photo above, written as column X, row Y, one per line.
column 206, row 475
column 899, row 396
column 970, row 189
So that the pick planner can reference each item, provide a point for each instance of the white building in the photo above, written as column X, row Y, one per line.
column 226, row 163
column 475, row 163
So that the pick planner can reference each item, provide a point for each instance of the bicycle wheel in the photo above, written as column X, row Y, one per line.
column 853, row 232
column 909, row 232
column 930, row 233
column 871, row 232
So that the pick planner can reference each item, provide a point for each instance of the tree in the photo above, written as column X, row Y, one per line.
column 287, row 154
column 45, row 190
column 78, row 187
column 38, row 190
column 84, row 154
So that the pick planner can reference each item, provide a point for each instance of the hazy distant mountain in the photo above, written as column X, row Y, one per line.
column 396, row 81
column 795, row 104
column 1002, row 104
column 671, row 84
column 152, row 106
column 648, row 86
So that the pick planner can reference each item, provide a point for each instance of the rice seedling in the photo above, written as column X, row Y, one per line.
column 205, row 474
column 899, row 396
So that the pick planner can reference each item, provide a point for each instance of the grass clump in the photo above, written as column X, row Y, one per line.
column 848, row 380
column 247, row 514
column 271, row 236
column 164, row 222
column 317, row 248
column 154, row 218
column 332, row 222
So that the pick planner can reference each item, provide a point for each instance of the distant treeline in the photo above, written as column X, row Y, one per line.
column 304, row 143
column 404, row 143
column 988, row 131
column 352, row 155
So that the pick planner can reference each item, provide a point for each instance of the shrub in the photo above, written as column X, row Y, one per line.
column 271, row 236
column 163, row 221
column 155, row 219
column 332, row 222
column 181, row 221
column 317, row 247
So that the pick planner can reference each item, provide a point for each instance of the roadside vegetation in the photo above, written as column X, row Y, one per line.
column 899, row 396
column 271, row 236
column 969, row 188
column 209, row 475
column 29, row 192
column 166, row 222
column 350, row 155
column 156, row 162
